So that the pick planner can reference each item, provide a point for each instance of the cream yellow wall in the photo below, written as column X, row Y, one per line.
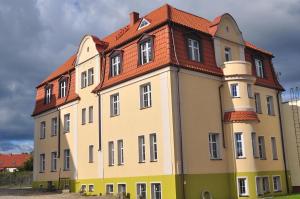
column 200, row 115
column 290, row 141
column 133, row 122
column 50, row 144
column 88, row 134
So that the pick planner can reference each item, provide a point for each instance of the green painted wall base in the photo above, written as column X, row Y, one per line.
column 221, row 186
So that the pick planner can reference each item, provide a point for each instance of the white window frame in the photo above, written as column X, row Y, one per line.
column 81, row 188
column 90, row 76
column 89, row 189
column 83, row 116
column 262, row 148
column 67, row 122
column 143, row 23
column 63, row 88
column 146, row 50
column 250, row 90
column 274, row 148
column 270, row 105
column 91, row 153
column 214, row 146
column 138, row 190
column 268, row 187
column 54, row 126
column 83, row 79
column 254, row 145
column 151, row 190
column 48, row 95
column 242, row 145
column 115, row 105
column 153, row 147
column 53, row 161
column 109, row 184
column 42, row 162
column 111, row 153
column 141, row 148
column 259, row 68
column 43, row 130
column 227, row 53
column 246, row 186
column 257, row 103
column 120, row 144
column 91, row 114
column 235, row 90
column 67, row 157
column 279, row 181
column 115, row 65
column 145, row 93
column 122, row 183
column 194, row 49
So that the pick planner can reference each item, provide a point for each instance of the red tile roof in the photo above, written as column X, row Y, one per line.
column 239, row 116
column 13, row 160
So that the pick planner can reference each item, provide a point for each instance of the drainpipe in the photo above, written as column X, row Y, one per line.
column 282, row 143
column 99, row 121
column 221, row 115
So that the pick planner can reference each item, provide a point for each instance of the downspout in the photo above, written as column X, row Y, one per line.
column 221, row 115
column 282, row 144
column 179, row 115
column 103, row 66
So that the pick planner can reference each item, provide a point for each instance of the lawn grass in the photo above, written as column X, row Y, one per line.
column 296, row 196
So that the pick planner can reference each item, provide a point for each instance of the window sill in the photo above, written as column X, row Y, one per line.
column 195, row 61
column 66, row 131
column 41, row 171
column 111, row 165
column 153, row 161
column 216, row 159
column 52, row 171
column 66, row 169
column 90, row 122
column 237, row 97
column 277, row 191
column 141, row 162
column 259, row 112
column 91, row 162
column 82, row 123
column 42, row 138
column 262, row 158
column 54, row 135
column 114, row 115
column 144, row 64
column 142, row 108
column 243, row 196
column 241, row 158
column 273, row 115
column 275, row 158
column 121, row 164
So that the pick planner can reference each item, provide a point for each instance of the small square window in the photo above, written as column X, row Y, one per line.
column 91, row 188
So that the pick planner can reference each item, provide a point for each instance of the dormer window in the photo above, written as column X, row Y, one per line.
column 144, row 23
column 48, row 94
column 63, row 87
column 259, row 68
column 145, row 49
column 194, row 49
column 115, row 63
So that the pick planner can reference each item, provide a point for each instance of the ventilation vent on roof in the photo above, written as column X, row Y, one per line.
column 144, row 23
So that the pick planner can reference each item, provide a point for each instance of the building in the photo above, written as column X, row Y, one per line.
column 291, row 129
column 170, row 106
column 11, row 162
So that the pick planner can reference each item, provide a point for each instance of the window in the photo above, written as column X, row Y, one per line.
column 274, row 148
column 261, row 147
column 54, row 126
column 270, row 105
column 146, row 51
column 62, row 88
column 115, row 104
column 109, row 189
column 155, row 191
column 257, row 103
column 265, row 184
column 91, row 114
column 250, row 90
column 194, row 49
column 91, row 153
column 90, row 76
column 228, row 56
column 141, row 190
column 143, row 24
column 83, row 79
column 239, row 145
column 67, row 159
column 153, row 147
column 142, row 150
column 43, row 130
column 91, row 188
column 67, row 123
column 83, row 115
column 53, row 161
column 115, row 65
column 259, row 68
column 254, row 144
column 122, row 188
column 242, row 186
column 111, row 155
column 276, row 183
column 214, row 147
column 234, row 88
column 48, row 94
column 83, row 188
column 120, row 152
column 145, row 95
column 42, row 163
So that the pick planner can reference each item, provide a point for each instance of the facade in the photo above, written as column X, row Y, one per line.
column 170, row 106
column 11, row 162
column 291, row 121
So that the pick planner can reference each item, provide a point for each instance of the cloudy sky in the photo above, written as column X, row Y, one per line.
column 36, row 36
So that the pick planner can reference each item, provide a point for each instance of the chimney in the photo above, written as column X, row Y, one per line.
column 134, row 17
